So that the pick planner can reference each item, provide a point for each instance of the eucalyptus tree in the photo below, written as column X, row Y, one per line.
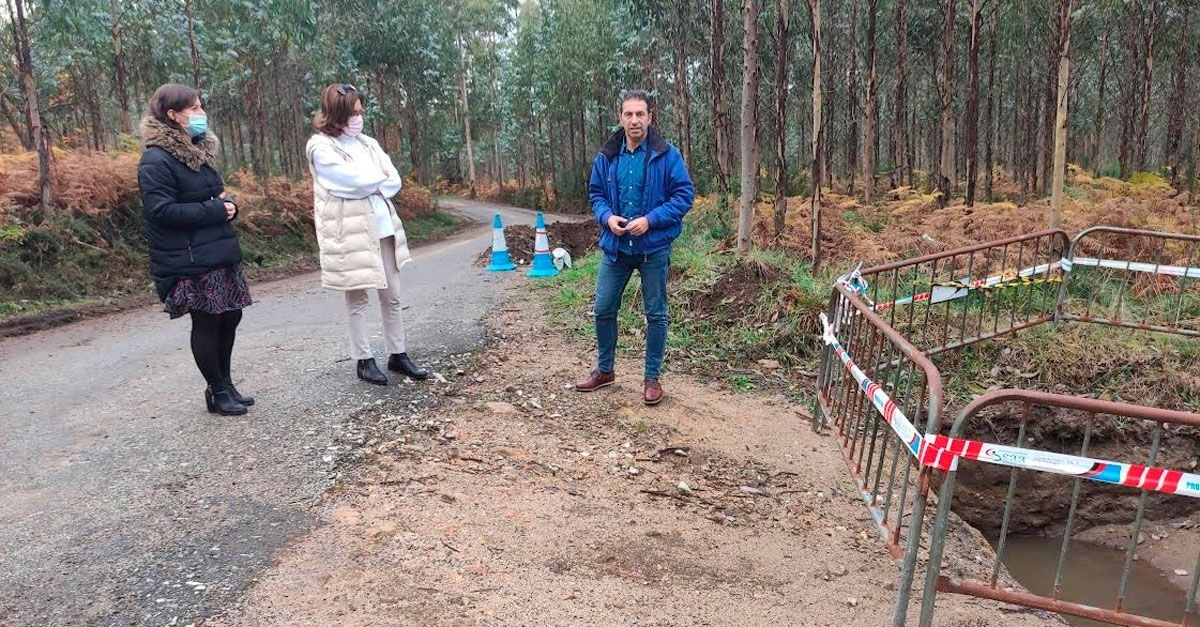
column 37, row 132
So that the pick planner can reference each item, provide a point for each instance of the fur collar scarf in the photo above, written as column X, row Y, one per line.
column 192, row 154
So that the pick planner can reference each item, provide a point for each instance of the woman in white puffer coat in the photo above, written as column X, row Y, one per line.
column 360, row 235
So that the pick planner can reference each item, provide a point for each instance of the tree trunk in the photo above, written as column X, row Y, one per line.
column 466, row 107
column 1129, row 93
column 553, row 177
column 869, row 140
column 231, row 146
column 96, row 116
column 1149, row 31
column 1175, row 106
column 852, row 100
column 411, row 126
column 1060, row 115
column 1046, row 127
column 989, row 162
column 259, row 158
column 682, row 90
column 902, row 168
column 972, row 114
column 946, row 82
column 814, row 8
column 32, row 114
column 299, row 131
column 1098, row 119
column 720, row 110
column 6, row 109
column 379, row 128
column 749, row 136
column 114, row 9
column 782, row 36
column 189, row 9
column 1030, row 124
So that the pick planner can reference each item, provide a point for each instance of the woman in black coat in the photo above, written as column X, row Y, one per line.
column 194, row 252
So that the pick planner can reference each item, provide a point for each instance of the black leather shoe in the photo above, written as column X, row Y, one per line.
column 221, row 402
column 399, row 362
column 237, row 396
column 369, row 372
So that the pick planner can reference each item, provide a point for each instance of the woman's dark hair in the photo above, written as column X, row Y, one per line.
column 170, row 97
column 337, row 105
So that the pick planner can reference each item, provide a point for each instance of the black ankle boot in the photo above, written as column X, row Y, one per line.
column 399, row 362
column 220, row 401
column 237, row 396
column 369, row 372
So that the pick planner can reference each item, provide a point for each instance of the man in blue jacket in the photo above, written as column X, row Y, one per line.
column 640, row 190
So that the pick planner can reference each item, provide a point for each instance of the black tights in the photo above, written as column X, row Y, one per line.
column 212, row 343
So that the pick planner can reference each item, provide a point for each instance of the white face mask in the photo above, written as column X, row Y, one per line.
column 354, row 126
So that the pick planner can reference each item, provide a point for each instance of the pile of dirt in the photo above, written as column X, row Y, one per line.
column 735, row 293
column 578, row 238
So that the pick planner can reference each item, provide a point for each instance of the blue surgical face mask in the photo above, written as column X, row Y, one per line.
column 197, row 124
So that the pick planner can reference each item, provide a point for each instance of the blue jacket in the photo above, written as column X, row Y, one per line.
column 667, row 196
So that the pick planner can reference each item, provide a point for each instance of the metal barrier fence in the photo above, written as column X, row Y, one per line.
column 882, row 323
column 890, row 482
column 1101, row 423
column 948, row 300
column 1133, row 278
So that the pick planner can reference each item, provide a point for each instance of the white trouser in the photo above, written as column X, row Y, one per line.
column 389, row 309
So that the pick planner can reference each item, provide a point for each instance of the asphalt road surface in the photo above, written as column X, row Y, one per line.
column 122, row 501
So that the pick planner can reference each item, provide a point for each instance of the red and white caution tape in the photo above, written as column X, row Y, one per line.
column 883, row 403
column 941, row 452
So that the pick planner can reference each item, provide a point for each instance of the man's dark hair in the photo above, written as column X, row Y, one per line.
column 636, row 94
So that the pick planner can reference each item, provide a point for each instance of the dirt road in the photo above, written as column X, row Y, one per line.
column 495, row 497
column 123, row 502
column 517, row 501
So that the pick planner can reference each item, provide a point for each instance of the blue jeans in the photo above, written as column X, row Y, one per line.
column 610, row 285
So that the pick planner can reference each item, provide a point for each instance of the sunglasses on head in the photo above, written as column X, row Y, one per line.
column 345, row 89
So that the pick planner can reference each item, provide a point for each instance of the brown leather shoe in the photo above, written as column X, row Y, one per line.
column 652, row 394
column 596, row 380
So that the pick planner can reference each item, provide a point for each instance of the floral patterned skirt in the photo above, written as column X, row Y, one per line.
column 214, row 292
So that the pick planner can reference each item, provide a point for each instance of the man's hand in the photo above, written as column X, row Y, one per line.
column 638, row 226
column 230, row 210
column 616, row 224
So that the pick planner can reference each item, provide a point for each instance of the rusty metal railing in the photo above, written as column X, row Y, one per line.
column 951, row 299
column 885, row 321
column 890, row 483
column 1010, row 416
column 1133, row 278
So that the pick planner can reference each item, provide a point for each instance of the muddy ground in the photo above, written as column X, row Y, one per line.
column 513, row 500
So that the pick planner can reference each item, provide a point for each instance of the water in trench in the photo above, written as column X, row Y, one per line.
column 1091, row 575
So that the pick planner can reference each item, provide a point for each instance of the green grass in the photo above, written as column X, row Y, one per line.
column 431, row 226
column 780, row 324
column 742, row 383
column 705, row 343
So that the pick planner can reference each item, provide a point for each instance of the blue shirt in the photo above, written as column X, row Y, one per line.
column 631, row 185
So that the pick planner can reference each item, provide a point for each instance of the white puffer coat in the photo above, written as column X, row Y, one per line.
column 346, row 232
